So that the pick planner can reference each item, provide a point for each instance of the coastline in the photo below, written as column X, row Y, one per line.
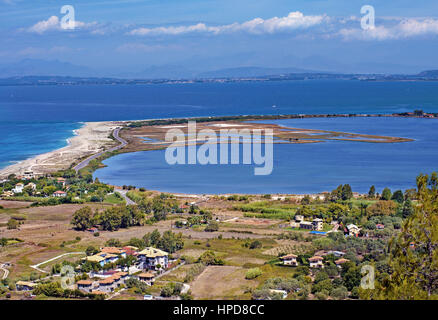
column 91, row 138
column 94, row 137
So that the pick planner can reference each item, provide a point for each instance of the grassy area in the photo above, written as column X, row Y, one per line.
column 114, row 198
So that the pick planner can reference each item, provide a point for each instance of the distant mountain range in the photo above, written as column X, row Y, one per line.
column 33, row 71
column 35, row 67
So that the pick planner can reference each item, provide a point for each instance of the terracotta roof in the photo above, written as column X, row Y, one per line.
column 112, row 250
column 97, row 292
column 85, row 282
column 289, row 256
column 107, row 281
column 341, row 261
column 316, row 258
column 146, row 275
column 59, row 192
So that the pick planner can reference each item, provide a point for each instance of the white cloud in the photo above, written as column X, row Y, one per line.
column 405, row 28
column 295, row 20
column 54, row 24
column 46, row 25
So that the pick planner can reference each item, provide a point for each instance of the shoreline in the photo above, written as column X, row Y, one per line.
column 93, row 137
column 87, row 140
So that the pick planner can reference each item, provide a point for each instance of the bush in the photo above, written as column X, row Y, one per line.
column 253, row 273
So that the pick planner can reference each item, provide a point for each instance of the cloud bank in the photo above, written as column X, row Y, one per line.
column 293, row 21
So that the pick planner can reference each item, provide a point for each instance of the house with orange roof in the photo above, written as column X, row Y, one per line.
column 147, row 278
column 340, row 262
column 289, row 260
column 316, row 262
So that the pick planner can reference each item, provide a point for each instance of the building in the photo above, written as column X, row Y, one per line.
column 114, row 251
column 61, row 181
column 102, row 258
column 337, row 254
column 85, row 285
column 150, row 258
column 107, row 285
column 317, row 224
column 340, row 262
column 316, row 262
column 25, row 286
column 59, row 194
column 28, row 175
column 8, row 194
column 306, row 225
column 298, row 218
column 289, row 260
column 147, row 278
column 380, row 226
column 18, row 188
column 353, row 230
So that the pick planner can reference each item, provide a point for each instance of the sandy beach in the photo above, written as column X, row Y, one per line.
column 91, row 138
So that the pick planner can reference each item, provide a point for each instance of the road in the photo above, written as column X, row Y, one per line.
column 123, row 194
column 5, row 271
column 116, row 136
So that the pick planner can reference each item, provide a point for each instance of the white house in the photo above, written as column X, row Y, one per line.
column 18, row 188
column 317, row 224
column 289, row 260
column 316, row 262
column 59, row 194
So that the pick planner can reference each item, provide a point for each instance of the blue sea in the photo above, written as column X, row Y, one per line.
column 37, row 119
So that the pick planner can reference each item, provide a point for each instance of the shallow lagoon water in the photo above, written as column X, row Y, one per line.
column 298, row 168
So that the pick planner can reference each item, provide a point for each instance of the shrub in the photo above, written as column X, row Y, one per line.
column 253, row 273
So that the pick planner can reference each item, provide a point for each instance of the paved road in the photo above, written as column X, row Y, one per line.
column 123, row 194
column 5, row 271
column 85, row 162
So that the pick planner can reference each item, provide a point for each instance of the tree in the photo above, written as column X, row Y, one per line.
column 408, row 208
column 49, row 190
column 386, row 194
column 398, row 196
column 372, row 192
column 382, row 208
column 12, row 224
column 91, row 251
column 340, row 293
column 82, row 218
column 347, row 193
column 212, row 226
column 414, row 252
column 113, row 243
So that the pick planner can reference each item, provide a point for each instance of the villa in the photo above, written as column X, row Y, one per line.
column 290, row 260
column 340, row 262
column 18, row 188
column 150, row 258
column 316, row 262
column 147, row 278
column 85, row 285
column 59, row 194
column 317, row 224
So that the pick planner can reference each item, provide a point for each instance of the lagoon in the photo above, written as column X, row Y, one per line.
column 298, row 168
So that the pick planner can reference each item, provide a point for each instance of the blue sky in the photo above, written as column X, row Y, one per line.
column 126, row 36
